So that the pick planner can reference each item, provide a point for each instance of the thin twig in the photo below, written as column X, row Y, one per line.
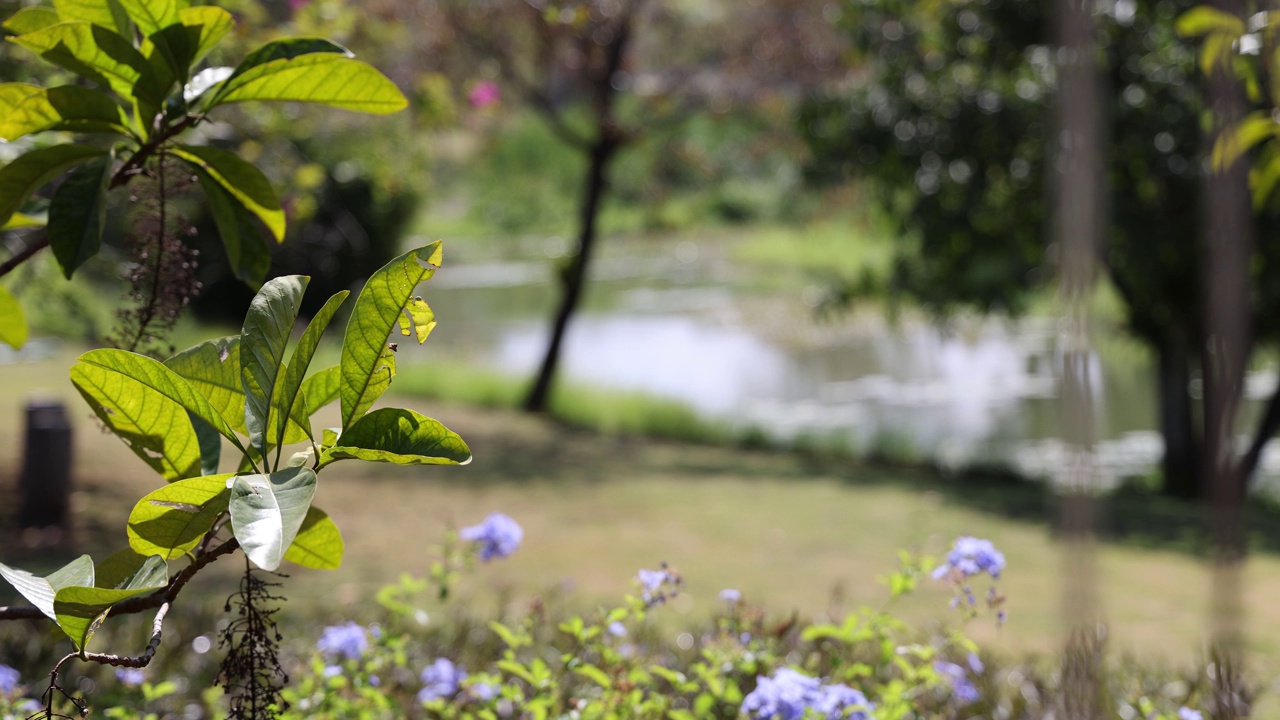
column 25, row 253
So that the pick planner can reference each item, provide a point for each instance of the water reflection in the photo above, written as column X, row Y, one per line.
column 979, row 392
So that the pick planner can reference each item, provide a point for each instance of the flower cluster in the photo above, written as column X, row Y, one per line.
column 957, row 677
column 440, row 680
column 8, row 679
column 497, row 537
column 348, row 640
column 658, row 586
column 788, row 695
column 969, row 557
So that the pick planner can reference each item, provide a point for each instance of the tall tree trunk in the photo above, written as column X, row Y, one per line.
column 1181, row 465
column 574, row 279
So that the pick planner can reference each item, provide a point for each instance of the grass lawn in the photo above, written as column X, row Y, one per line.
column 793, row 532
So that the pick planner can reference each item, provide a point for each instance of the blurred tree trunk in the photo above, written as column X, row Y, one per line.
column 574, row 278
column 1181, row 464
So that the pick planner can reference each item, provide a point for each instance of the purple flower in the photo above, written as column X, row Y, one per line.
column 971, row 556
column 331, row 671
column 440, row 680
column 1186, row 713
column 841, row 701
column 962, row 688
column 484, row 692
column 131, row 677
column 498, row 536
column 617, row 629
column 785, row 696
column 975, row 664
column 8, row 679
column 348, row 640
column 730, row 596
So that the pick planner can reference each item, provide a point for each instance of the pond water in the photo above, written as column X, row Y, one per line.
column 683, row 321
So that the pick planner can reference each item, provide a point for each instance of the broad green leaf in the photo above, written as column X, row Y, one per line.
column 1204, row 19
column 81, row 609
column 268, row 510
column 322, row 388
column 242, row 180
column 13, row 323
column 287, row 401
column 210, row 443
column 98, row 54
column 117, row 569
column 323, row 78
column 151, row 15
column 109, row 14
column 288, row 49
column 367, row 363
column 1234, row 142
column 399, row 436
column 19, row 221
column 262, row 343
column 29, row 172
column 318, row 545
column 26, row 109
column 214, row 24
column 78, row 213
column 154, row 426
column 30, row 19
column 170, row 52
column 213, row 370
column 171, row 521
column 248, row 254
column 149, row 373
column 40, row 591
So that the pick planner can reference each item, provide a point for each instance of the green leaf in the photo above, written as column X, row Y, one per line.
column 248, row 254
column 154, row 426
column 213, row 370
column 367, row 365
column 262, row 343
column 288, row 49
column 78, row 213
column 399, row 436
column 268, row 510
column 323, row 78
column 40, row 591
column 1234, row 142
column 322, row 388
column 30, row 19
column 26, row 109
column 19, row 221
column 117, row 569
column 288, row 402
column 1204, row 19
column 13, row 323
column 170, row 522
column 29, row 172
column 596, row 675
column 108, row 14
column 214, row 24
column 171, row 51
column 98, row 54
column 318, row 545
column 151, row 15
column 81, row 609
column 242, row 180
column 149, row 373
column 210, row 443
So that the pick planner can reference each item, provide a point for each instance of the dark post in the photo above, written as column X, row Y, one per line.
column 45, row 485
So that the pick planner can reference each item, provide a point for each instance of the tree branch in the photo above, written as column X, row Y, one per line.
column 25, row 253
column 1267, row 427
column 145, row 602
column 132, row 166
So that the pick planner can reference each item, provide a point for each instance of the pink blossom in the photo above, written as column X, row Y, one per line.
column 484, row 93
